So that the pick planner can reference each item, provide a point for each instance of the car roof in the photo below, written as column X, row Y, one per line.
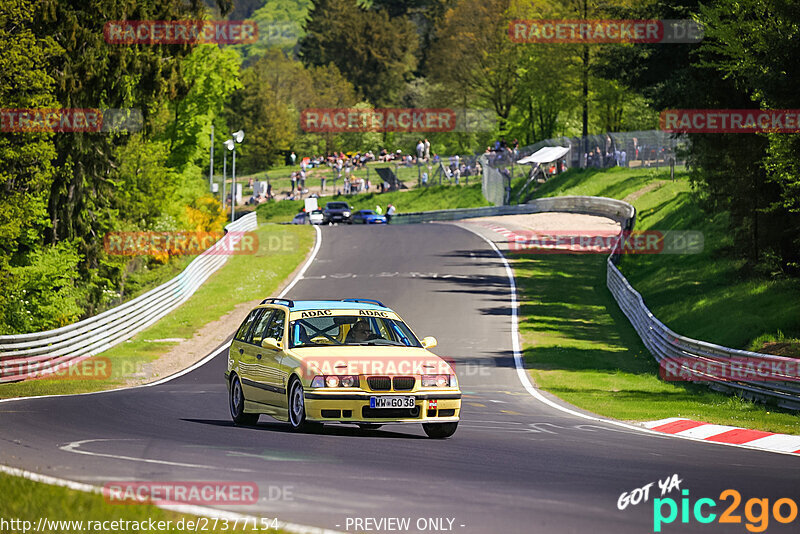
column 302, row 305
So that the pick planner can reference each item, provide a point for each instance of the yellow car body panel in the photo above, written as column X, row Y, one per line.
column 267, row 372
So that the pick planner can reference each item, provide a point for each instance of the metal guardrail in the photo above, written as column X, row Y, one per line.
column 26, row 354
column 686, row 355
column 608, row 207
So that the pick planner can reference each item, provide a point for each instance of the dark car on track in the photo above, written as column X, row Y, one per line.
column 368, row 217
column 337, row 212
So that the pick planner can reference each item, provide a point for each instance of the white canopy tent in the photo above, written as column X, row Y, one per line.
column 547, row 154
column 538, row 159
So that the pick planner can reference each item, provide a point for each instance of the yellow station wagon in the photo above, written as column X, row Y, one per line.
column 351, row 361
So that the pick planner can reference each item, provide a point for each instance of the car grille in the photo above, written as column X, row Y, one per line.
column 379, row 383
column 403, row 383
column 390, row 413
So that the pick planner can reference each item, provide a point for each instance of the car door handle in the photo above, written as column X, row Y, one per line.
column 241, row 351
column 258, row 356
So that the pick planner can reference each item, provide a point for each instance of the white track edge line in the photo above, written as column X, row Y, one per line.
column 189, row 509
column 213, row 354
column 530, row 388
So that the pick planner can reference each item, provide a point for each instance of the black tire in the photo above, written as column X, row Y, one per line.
column 297, row 409
column 440, row 430
column 236, row 404
column 369, row 426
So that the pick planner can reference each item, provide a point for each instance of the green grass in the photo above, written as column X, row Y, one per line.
column 29, row 501
column 617, row 182
column 420, row 199
column 243, row 278
column 580, row 346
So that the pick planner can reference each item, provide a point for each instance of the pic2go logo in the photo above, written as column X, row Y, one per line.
column 756, row 511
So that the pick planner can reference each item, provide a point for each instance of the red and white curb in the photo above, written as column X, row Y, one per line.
column 726, row 434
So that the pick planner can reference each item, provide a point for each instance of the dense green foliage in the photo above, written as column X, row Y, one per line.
column 61, row 193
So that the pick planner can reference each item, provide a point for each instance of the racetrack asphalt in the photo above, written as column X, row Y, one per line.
column 514, row 465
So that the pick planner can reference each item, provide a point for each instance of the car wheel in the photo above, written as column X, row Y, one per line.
column 439, row 430
column 237, row 405
column 369, row 426
column 297, row 409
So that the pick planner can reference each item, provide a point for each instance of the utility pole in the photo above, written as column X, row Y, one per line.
column 211, row 165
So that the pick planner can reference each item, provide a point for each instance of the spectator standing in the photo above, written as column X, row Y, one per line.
column 389, row 213
column 427, row 150
column 420, row 150
column 379, row 210
column 294, row 158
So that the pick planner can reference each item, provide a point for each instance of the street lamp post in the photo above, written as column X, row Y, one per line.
column 230, row 144
column 224, row 177
column 211, row 165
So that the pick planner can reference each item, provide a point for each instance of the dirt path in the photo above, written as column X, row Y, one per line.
column 558, row 222
column 189, row 351
column 646, row 189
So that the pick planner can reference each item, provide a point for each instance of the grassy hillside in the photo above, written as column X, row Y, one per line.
column 420, row 199
column 580, row 346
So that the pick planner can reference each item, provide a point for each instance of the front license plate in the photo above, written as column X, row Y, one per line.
column 392, row 401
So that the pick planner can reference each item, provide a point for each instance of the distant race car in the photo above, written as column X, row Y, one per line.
column 337, row 212
column 368, row 217
column 350, row 361
column 315, row 217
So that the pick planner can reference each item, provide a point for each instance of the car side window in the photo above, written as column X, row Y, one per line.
column 276, row 325
column 258, row 330
column 242, row 332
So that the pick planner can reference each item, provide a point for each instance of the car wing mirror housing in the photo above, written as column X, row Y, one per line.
column 271, row 343
column 429, row 342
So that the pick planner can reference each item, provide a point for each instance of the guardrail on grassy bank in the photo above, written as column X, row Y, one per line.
column 24, row 355
column 686, row 356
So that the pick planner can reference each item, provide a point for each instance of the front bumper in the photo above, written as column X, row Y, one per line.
column 353, row 407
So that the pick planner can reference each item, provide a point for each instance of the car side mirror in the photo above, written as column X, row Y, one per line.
column 429, row 342
column 271, row 343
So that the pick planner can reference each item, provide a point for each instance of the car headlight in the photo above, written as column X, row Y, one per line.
column 437, row 381
column 346, row 213
column 335, row 381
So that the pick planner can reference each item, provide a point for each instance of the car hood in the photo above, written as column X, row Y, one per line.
column 371, row 360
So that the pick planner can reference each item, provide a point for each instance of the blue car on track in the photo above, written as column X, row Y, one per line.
column 368, row 217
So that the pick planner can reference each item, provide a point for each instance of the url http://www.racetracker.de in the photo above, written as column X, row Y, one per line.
column 199, row 524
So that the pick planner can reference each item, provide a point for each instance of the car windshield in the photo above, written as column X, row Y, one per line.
column 350, row 330
column 336, row 206
column 367, row 212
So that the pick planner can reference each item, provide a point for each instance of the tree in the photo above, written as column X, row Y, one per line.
column 267, row 119
column 373, row 51
column 211, row 75
column 472, row 51
column 754, row 44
